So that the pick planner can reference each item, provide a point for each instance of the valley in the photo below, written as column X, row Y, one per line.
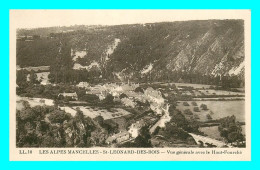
column 141, row 85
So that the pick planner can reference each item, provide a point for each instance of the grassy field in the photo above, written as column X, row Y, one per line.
column 35, row 101
column 94, row 112
column 213, row 132
column 217, row 109
column 219, row 92
column 195, row 86
column 19, row 105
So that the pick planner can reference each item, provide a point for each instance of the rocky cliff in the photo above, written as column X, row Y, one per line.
column 152, row 50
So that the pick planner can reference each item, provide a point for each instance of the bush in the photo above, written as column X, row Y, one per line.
column 211, row 87
column 173, row 131
column 203, row 107
column 92, row 98
column 156, row 131
column 59, row 116
column 123, row 95
column 188, row 112
column 109, row 99
column 139, row 89
column 196, row 116
column 196, row 109
column 186, row 104
column 209, row 117
column 194, row 104
column 231, row 130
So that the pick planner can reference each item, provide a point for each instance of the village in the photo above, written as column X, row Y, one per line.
column 126, row 108
column 134, row 105
column 148, row 101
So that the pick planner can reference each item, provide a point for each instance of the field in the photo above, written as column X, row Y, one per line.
column 35, row 101
column 213, row 132
column 106, row 114
column 39, row 68
column 69, row 110
column 217, row 109
column 19, row 105
column 195, row 86
column 218, row 98
column 219, row 92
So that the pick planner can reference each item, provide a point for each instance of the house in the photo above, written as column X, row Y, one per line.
column 129, row 86
column 96, row 89
column 72, row 95
column 154, row 95
column 118, row 138
column 83, row 84
column 128, row 102
column 156, row 100
column 166, row 117
column 134, row 129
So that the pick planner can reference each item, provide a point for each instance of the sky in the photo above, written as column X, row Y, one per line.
column 49, row 18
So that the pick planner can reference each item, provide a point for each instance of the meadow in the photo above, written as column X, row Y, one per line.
column 217, row 109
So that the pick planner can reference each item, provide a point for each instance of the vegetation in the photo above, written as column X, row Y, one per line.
column 177, row 129
column 173, row 131
column 46, row 126
column 231, row 130
column 196, row 117
column 209, row 117
column 123, row 95
column 54, row 50
column 186, row 104
column 203, row 107
column 139, row 89
column 187, row 112
column 36, row 53
column 196, row 109
column 194, row 103
column 143, row 140
column 181, row 122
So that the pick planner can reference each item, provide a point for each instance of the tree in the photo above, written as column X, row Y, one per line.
column 123, row 95
column 139, row 89
column 79, row 115
column 180, row 120
column 185, row 104
column 109, row 99
column 33, row 78
column 174, row 131
column 100, row 120
column 143, row 140
column 187, row 112
column 231, row 130
column 203, row 107
column 209, row 117
column 196, row 109
column 196, row 116
column 21, row 79
column 172, row 109
column 59, row 116
column 92, row 98
column 194, row 103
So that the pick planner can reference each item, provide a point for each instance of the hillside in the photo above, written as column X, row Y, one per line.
column 154, row 52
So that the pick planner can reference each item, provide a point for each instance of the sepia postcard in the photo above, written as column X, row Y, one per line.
column 130, row 85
